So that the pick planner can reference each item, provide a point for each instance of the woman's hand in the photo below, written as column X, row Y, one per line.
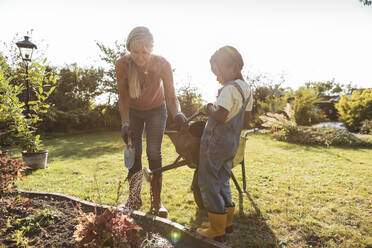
column 180, row 120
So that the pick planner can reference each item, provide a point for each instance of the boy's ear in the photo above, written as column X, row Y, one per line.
column 236, row 68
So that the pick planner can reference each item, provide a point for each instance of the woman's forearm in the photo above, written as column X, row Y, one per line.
column 124, row 110
column 173, row 105
column 123, row 94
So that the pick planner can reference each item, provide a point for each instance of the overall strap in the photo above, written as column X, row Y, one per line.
column 244, row 101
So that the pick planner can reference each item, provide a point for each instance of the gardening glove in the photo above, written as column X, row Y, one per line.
column 125, row 131
column 180, row 120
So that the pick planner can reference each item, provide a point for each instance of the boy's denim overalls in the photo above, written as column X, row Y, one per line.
column 218, row 146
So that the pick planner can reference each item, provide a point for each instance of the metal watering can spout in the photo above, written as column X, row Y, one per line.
column 147, row 173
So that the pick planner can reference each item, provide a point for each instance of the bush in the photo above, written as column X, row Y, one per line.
column 12, row 109
column 321, row 136
column 277, row 122
column 76, row 119
column 267, row 97
column 110, row 116
column 190, row 101
column 270, row 104
column 100, row 116
column 285, row 130
column 305, row 111
column 355, row 108
column 6, row 139
column 366, row 127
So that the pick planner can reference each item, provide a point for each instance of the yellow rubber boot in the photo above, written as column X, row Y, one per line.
column 229, row 221
column 205, row 224
column 216, row 230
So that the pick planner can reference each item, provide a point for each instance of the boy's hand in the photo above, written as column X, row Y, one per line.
column 205, row 109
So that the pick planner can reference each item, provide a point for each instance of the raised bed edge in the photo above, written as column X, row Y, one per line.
column 165, row 223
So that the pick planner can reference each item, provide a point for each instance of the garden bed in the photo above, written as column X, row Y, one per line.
column 49, row 220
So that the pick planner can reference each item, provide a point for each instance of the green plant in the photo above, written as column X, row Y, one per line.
column 20, row 228
column 355, row 108
column 39, row 219
column 19, row 238
column 12, row 109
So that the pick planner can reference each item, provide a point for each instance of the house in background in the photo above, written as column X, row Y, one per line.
column 328, row 106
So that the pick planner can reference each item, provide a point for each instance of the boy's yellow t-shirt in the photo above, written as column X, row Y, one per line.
column 231, row 99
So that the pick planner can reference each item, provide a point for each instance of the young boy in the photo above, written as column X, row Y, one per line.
column 220, row 141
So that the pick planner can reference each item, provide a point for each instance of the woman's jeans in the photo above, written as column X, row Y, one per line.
column 153, row 121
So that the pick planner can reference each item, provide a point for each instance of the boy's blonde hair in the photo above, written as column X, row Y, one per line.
column 138, row 38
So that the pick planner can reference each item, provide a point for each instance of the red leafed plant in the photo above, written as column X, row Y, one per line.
column 10, row 170
column 111, row 228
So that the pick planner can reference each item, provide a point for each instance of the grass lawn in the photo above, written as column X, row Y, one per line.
column 298, row 196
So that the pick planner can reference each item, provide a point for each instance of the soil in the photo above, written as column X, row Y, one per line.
column 58, row 233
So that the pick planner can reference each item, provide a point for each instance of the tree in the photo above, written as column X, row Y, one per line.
column 366, row 2
column 110, row 55
column 72, row 103
column 76, row 87
column 190, row 101
column 268, row 96
column 329, row 88
column 305, row 111
column 355, row 109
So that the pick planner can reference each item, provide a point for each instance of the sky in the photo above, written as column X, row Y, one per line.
column 300, row 40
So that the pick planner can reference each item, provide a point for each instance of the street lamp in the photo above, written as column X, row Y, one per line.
column 26, row 48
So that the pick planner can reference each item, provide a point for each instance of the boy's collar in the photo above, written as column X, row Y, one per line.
column 224, row 85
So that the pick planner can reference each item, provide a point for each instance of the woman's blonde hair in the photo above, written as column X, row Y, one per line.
column 138, row 38
column 229, row 56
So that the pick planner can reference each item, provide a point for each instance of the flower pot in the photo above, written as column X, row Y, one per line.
column 35, row 160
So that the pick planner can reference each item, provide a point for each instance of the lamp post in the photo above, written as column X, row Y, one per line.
column 26, row 48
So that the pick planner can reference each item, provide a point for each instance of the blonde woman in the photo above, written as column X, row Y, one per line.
column 145, row 83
